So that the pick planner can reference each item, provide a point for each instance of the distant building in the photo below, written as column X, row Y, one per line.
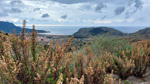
column 43, row 39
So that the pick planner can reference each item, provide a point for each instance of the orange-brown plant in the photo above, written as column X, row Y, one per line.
column 21, row 62
column 140, row 55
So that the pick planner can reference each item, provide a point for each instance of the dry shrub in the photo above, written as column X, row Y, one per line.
column 131, row 61
column 95, row 70
column 76, row 81
column 108, row 57
column 95, row 74
column 140, row 55
column 21, row 62
column 89, row 65
column 109, row 79
column 146, row 48
column 79, row 65
column 123, row 66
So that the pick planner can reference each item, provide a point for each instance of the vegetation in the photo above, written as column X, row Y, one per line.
column 89, row 32
column 9, row 28
column 22, row 61
column 142, row 31
column 126, row 57
column 109, row 44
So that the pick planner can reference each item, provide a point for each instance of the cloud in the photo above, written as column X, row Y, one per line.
column 141, row 19
column 103, row 17
column 127, row 15
column 36, row 9
column 45, row 15
column 71, row 1
column 72, row 12
column 16, row 2
column 138, row 4
column 1, row 1
column 119, row 10
column 3, row 14
column 64, row 16
column 105, row 22
column 135, row 6
column 14, row 10
column 99, row 7
column 86, row 6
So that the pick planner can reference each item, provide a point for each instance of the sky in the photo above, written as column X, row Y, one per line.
column 76, row 12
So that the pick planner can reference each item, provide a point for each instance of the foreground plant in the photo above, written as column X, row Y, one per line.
column 130, row 61
column 21, row 62
column 140, row 55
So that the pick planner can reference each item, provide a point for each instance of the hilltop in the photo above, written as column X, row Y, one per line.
column 10, row 27
column 88, row 32
column 141, row 34
column 145, row 31
column 97, row 31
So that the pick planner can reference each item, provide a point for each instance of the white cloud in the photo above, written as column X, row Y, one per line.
column 14, row 20
column 130, row 20
column 99, row 22
column 80, row 12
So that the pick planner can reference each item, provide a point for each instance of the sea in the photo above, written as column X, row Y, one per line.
column 69, row 30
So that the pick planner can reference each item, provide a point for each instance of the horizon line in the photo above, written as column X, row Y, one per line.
column 72, row 25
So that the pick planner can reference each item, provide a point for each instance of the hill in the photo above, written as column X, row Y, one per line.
column 145, row 31
column 9, row 28
column 88, row 32
column 141, row 34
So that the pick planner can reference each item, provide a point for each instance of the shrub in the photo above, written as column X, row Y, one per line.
column 109, row 44
column 123, row 67
column 146, row 48
column 141, row 59
column 136, row 57
column 22, row 62
column 95, row 70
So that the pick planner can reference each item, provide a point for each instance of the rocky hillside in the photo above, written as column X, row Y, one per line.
column 145, row 31
column 141, row 34
column 9, row 28
column 88, row 32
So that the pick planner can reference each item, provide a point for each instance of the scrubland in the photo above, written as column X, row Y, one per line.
column 22, row 61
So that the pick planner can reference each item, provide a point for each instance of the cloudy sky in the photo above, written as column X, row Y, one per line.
column 76, row 12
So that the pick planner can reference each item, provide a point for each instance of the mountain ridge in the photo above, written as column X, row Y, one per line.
column 96, row 31
column 10, row 27
column 143, row 31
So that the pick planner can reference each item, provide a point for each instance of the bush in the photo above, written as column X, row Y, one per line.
column 22, row 61
column 134, row 57
column 146, row 48
column 123, row 66
column 141, row 59
column 109, row 44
